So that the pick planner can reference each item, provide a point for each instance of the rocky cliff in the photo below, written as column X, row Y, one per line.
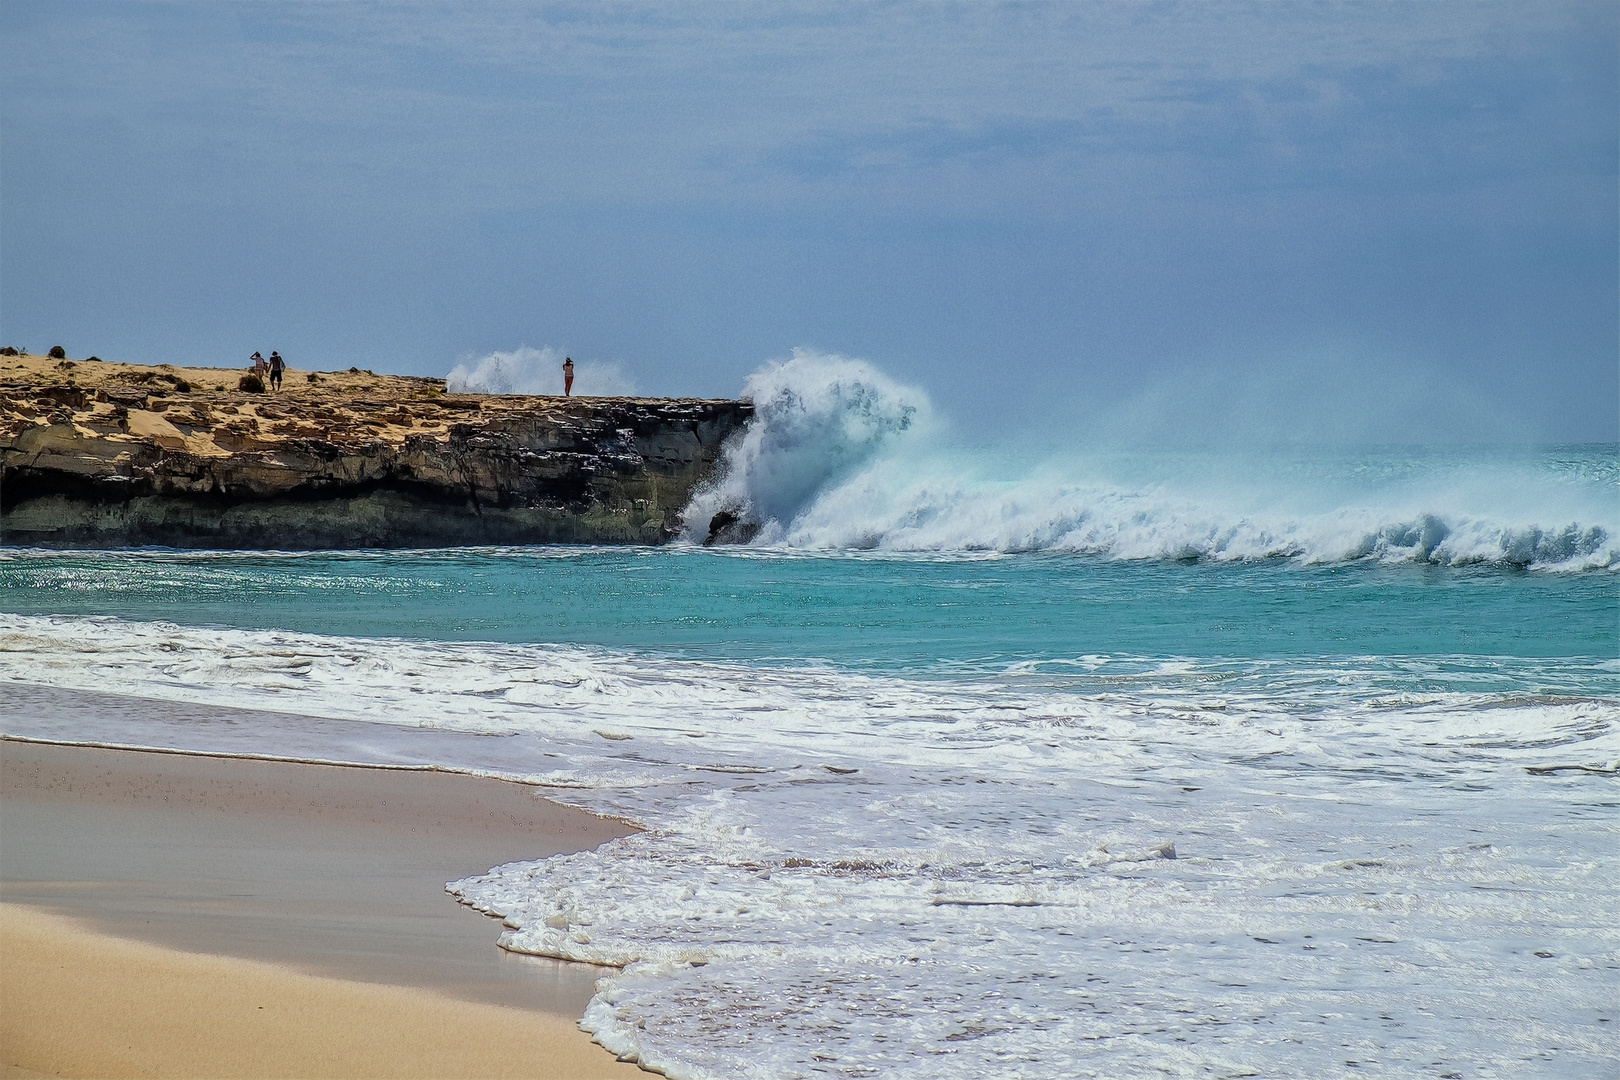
column 99, row 454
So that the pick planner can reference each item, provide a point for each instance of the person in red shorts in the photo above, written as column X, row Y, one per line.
column 568, row 375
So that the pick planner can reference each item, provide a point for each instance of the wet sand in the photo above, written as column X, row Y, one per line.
column 333, row 874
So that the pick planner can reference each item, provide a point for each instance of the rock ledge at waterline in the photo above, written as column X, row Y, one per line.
column 96, row 454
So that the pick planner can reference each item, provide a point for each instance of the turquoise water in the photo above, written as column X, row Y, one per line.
column 867, row 612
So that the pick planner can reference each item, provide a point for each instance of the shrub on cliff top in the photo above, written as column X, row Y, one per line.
column 8, row 351
column 250, row 384
column 57, row 353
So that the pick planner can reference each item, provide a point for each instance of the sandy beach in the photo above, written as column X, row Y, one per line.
column 176, row 915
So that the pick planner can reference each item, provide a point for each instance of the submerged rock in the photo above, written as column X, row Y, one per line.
column 730, row 527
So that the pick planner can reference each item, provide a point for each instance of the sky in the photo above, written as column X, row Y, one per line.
column 1387, row 222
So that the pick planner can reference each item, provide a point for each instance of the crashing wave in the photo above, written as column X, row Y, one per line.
column 817, row 419
column 839, row 456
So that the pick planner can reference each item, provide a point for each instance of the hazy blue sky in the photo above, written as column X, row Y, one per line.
column 1071, row 221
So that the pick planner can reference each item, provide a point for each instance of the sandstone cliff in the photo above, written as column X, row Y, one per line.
column 99, row 454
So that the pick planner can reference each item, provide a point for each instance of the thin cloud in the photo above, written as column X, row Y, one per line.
column 959, row 106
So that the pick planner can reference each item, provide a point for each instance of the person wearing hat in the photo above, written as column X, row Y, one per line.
column 568, row 375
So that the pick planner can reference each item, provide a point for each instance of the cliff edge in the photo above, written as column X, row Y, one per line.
column 96, row 454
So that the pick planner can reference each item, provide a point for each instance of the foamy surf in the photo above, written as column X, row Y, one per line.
column 1104, row 865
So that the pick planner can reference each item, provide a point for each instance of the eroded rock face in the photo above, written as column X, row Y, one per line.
column 113, row 455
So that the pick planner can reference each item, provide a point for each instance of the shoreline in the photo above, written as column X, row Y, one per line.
column 135, row 875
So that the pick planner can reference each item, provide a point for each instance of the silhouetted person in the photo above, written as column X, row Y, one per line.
column 568, row 375
column 277, row 366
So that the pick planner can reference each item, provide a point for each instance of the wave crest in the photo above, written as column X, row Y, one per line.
column 838, row 456
column 816, row 418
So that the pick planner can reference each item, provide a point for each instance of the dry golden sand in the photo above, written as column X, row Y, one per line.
column 183, row 915
column 203, row 411
column 74, row 1002
column 94, row 374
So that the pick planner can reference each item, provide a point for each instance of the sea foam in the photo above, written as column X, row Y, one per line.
column 1115, row 866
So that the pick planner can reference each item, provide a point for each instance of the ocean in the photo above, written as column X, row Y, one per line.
column 974, row 761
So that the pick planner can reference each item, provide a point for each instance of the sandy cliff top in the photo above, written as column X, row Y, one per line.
column 203, row 410
column 99, row 373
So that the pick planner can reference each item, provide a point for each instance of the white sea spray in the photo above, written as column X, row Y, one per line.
column 817, row 418
column 537, row 371
column 839, row 456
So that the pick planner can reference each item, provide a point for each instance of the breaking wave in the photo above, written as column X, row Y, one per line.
column 839, row 456
column 819, row 422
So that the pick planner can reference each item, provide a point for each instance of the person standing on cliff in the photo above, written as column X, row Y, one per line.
column 568, row 375
column 259, row 366
column 277, row 366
